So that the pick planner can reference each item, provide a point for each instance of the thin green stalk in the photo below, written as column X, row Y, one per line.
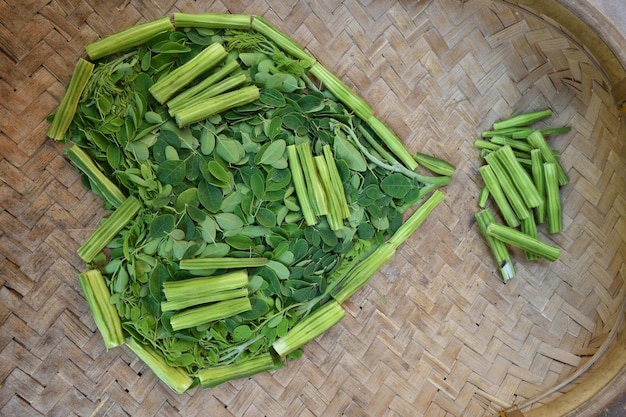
column 69, row 103
column 285, row 43
column 128, row 38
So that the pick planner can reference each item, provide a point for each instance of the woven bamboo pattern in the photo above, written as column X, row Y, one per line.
column 436, row 332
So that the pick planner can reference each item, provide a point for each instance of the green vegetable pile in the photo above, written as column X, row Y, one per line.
column 251, row 191
column 523, row 176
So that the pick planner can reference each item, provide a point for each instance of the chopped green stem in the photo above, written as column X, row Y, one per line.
column 516, row 201
column 524, row 119
column 209, row 81
column 317, row 196
column 309, row 328
column 223, row 86
column 545, row 132
column 106, row 231
column 335, row 213
column 336, row 181
column 434, row 164
column 537, row 140
column 128, row 38
column 212, row 297
column 529, row 227
column 221, row 263
column 215, row 375
column 175, row 80
column 340, row 90
column 394, row 143
column 204, row 314
column 493, row 185
column 299, row 183
column 539, row 181
column 174, row 377
column 485, row 144
column 216, row 105
column 520, row 145
column 201, row 287
column 69, row 103
column 519, row 176
column 103, row 185
column 553, row 200
column 212, row 20
column 523, row 241
column 484, row 196
column 498, row 249
column 104, row 313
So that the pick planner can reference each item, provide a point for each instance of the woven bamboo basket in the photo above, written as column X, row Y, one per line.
column 435, row 332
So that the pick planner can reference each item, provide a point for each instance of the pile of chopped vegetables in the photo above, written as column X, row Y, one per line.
column 251, row 193
column 522, row 176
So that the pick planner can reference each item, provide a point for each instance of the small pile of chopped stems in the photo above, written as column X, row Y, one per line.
column 523, row 176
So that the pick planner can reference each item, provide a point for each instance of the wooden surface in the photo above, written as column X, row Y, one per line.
column 435, row 333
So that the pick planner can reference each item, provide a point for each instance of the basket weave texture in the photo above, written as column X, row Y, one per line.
column 436, row 332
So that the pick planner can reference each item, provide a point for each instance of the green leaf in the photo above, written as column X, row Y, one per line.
column 230, row 150
column 273, row 152
column 171, row 172
column 272, row 97
column 396, row 185
column 189, row 197
column 210, row 196
column 228, row 221
column 265, row 217
column 162, row 225
column 281, row 271
column 349, row 153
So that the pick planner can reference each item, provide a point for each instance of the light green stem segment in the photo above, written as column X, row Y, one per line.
column 434, row 164
column 221, row 263
column 536, row 166
column 104, row 313
column 212, row 20
column 537, row 140
column 204, row 286
column 309, row 328
column 128, row 38
column 362, row 272
column 493, row 185
column 553, row 199
column 519, row 176
column 207, row 313
column 508, row 187
column 299, row 184
column 524, row 119
column 174, row 377
column 171, row 83
column 69, row 103
column 183, row 98
column 105, row 186
column 106, row 231
column 217, row 89
column 182, row 303
column 498, row 249
column 523, row 241
column 216, row 375
column 216, row 104
column 107, row 189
